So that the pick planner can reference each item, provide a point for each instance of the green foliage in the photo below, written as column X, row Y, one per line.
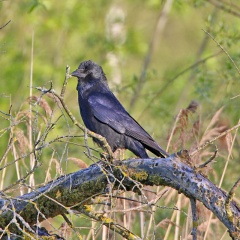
column 117, row 35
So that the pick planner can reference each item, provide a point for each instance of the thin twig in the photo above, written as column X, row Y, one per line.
column 69, row 223
column 230, row 4
column 213, row 139
column 161, row 23
column 67, row 76
column 194, row 218
column 221, row 6
column 229, row 199
column 209, row 160
column 200, row 51
column 30, row 126
column 170, row 81
column 23, row 179
column 5, row 24
column 86, row 143
column 110, row 223
column 178, row 217
column 9, row 146
column 234, row 64
column 173, row 129
column 223, row 174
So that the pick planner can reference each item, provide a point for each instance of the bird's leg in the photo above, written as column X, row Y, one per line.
column 119, row 154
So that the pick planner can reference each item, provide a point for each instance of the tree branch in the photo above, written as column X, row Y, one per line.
column 69, row 192
column 5, row 25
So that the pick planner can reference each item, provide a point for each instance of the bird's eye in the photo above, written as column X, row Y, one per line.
column 84, row 69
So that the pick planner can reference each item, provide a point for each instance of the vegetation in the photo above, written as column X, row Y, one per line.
column 175, row 67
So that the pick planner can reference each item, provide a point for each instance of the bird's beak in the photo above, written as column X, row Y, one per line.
column 78, row 73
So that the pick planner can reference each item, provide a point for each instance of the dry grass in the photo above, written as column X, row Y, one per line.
column 156, row 213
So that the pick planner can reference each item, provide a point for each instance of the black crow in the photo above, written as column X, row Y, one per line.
column 103, row 114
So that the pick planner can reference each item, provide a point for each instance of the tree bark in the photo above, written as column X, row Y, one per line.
column 80, row 187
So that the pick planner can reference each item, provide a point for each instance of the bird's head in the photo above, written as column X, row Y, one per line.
column 89, row 69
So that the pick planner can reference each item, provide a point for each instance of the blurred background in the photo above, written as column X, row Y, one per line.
column 161, row 63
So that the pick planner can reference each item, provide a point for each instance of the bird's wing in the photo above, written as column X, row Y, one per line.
column 107, row 109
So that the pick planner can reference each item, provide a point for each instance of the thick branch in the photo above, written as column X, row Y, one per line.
column 77, row 189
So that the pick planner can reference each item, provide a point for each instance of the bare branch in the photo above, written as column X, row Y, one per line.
column 73, row 191
column 209, row 160
column 5, row 24
column 225, row 7
column 194, row 218
column 214, row 139
column 67, row 76
column 234, row 64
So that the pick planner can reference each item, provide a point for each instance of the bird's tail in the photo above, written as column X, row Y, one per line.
column 157, row 150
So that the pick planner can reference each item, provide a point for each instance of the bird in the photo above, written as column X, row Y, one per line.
column 102, row 113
